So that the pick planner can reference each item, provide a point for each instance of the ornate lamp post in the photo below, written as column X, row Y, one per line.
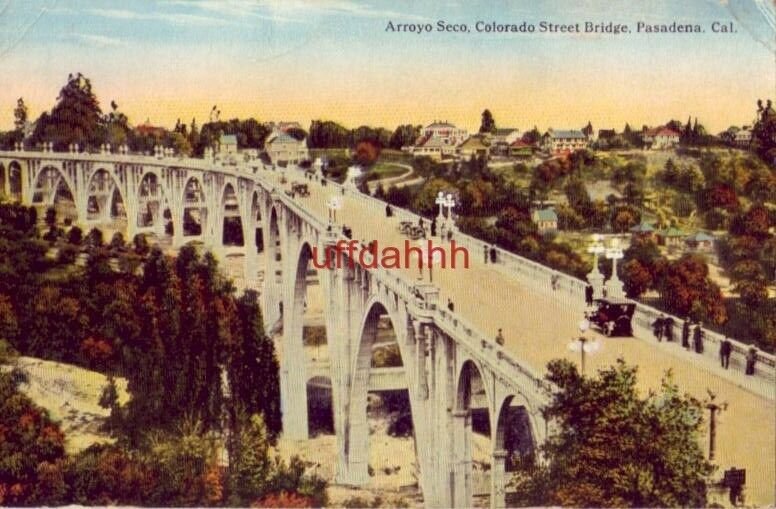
column 334, row 204
column 584, row 345
column 594, row 277
column 440, row 200
column 713, row 408
column 449, row 202
column 614, row 285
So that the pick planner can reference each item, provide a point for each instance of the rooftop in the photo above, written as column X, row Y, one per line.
column 545, row 215
column 567, row 134
column 228, row 139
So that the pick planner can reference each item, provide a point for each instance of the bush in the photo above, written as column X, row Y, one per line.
column 67, row 254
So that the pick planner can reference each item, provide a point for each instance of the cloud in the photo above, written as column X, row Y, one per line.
column 235, row 8
column 173, row 18
column 97, row 40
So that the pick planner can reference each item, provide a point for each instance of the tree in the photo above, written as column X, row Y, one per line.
column 76, row 118
column 487, row 125
column 366, row 153
column 404, row 135
column 31, row 442
column 686, row 288
column 251, row 466
column 612, row 447
column 764, row 133
column 20, row 116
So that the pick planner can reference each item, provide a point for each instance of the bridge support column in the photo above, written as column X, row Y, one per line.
column 463, row 466
column 442, row 400
column 497, row 480
column 293, row 379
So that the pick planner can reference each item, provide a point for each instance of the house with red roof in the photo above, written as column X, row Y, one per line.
column 660, row 138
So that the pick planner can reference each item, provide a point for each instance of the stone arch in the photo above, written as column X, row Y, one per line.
column 233, row 231
column 516, row 428
column 472, row 416
column 104, row 199
column 15, row 180
column 52, row 187
column 357, row 447
column 195, row 211
column 299, row 352
column 154, row 211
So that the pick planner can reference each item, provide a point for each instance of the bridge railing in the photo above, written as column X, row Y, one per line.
column 571, row 290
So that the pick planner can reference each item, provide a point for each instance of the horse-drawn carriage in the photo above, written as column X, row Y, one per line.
column 300, row 189
column 412, row 230
column 613, row 316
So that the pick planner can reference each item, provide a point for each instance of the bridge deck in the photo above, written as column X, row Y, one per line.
column 537, row 328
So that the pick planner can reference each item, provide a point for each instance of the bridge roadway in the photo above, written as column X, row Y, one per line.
column 538, row 327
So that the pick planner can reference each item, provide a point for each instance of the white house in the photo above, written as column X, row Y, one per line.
column 565, row 141
column 743, row 138
column 227, row 144
column 439, row 140
column 502, row 138
column 283, row 148
column 660, row 138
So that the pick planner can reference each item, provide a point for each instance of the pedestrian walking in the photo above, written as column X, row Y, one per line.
column 589, row 295
column 434, row 227
column 668, row 329
column 697, row 337
column 725, row 349
column 751, row 359
column 657, row 327
column 500, row 338
column 450, row 305
column 492, row 254
column 388, row 211
column 420, row 222
column 485, row 253
column 686, row 332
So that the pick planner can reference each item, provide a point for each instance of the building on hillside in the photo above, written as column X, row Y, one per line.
column 501, row 139
column 227, row 144
column 282, row 148
column 606, row 134
column 546, row 219
column 521, row 149
column 671, row 237
column 435, row 148
column 564, row 141
column 474, row 146
column 743, row 138
column 701, row 241
column 446, row 132
column 438, row 140
column 644, row 230
column 660, row 138
column 589, row 132
column 146, row 129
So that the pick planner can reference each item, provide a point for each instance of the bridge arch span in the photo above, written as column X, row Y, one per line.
column 104, row 193
column 194, row 220
column 153, row 204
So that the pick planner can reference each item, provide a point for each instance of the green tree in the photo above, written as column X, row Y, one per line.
column 20, row 116
column 404, row 135
column 612, row 447
column 76, row 118
column 251, row 468
column 487, row 125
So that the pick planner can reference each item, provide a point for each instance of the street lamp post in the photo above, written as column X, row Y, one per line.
column 440, row 200
column 584, row 345
column 334, row 204
column 614, row 285
column 594, row 277
column 713, row 408
column 449, row 202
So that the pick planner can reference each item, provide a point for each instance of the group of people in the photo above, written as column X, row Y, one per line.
column 663, row 327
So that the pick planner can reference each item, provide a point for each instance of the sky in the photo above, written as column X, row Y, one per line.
column 334, row 60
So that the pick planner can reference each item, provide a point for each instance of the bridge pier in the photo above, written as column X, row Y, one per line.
column 463, row 464
column 497, row 479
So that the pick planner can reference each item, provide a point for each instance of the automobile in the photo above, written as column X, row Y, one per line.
column 613, row 316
